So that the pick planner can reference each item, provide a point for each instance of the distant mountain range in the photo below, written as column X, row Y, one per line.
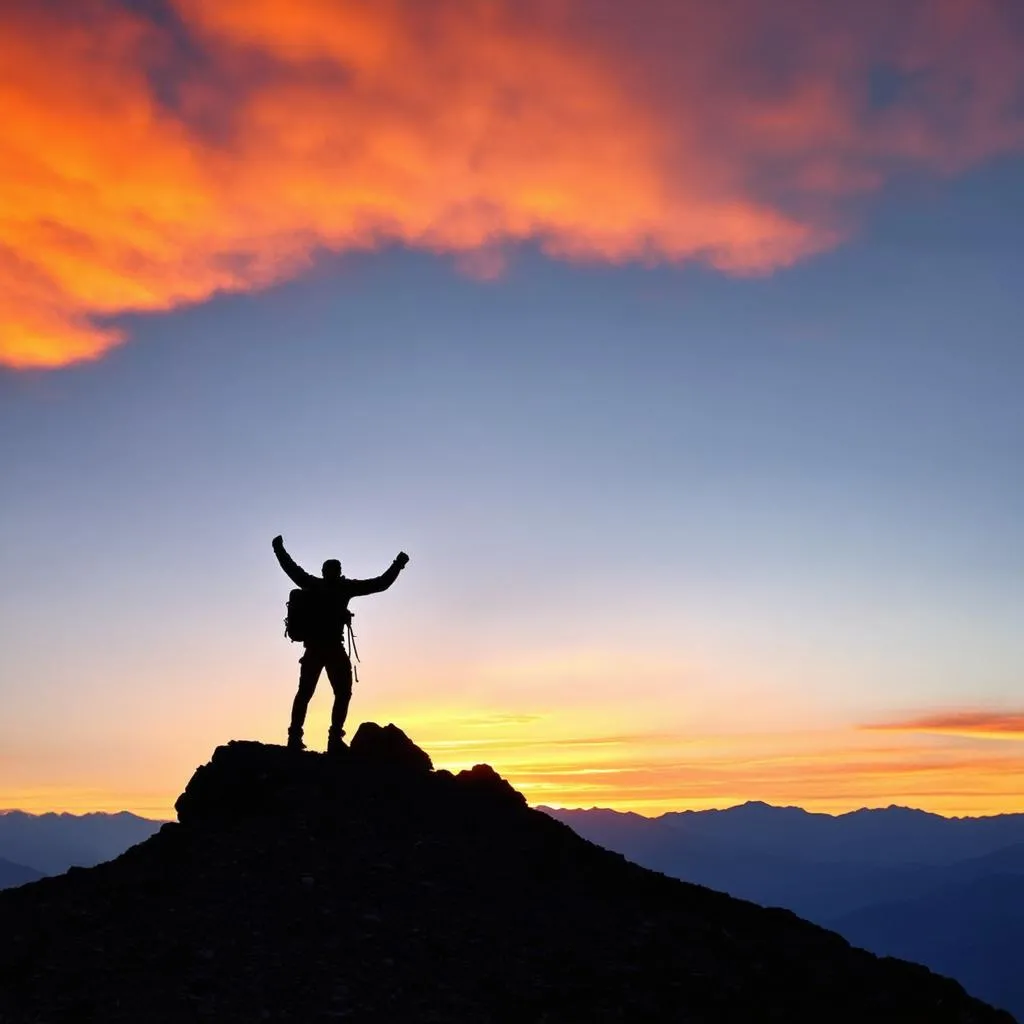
column 944, row 892
column 51, row 843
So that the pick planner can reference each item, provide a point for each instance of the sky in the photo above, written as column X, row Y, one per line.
column 679, row 345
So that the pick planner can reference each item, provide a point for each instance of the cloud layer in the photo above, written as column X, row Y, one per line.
column 150, row 162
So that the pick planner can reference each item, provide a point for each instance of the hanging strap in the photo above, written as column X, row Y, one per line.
column 353, row 653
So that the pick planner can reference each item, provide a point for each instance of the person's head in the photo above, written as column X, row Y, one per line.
column 331, row 569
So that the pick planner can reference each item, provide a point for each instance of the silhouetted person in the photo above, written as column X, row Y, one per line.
column 324, row 637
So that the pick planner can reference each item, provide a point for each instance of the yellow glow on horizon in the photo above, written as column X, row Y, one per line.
column 565, row 745
column 68, row 800
column 554, row 764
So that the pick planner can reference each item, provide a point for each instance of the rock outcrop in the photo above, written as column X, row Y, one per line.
column 368, row 887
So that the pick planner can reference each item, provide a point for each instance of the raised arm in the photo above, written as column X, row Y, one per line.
column 297, row 574
column 381, row 582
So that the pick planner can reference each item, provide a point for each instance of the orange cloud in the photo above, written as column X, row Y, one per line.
column 999, row 725
column 148, row 164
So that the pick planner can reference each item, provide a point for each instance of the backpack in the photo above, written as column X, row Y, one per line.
column 301, row 615
column 305, row 614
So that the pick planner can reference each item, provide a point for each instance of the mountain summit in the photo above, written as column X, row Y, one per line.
column 366, row 886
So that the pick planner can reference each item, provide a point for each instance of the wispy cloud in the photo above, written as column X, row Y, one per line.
column 837, row 778
column 979, row 723
column 568, row 759
column 152, row 163
column 497, row 719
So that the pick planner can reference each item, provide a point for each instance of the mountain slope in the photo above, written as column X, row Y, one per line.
column 368, row 887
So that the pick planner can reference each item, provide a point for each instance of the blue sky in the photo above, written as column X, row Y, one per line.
column 807, row 484
column 680, row 518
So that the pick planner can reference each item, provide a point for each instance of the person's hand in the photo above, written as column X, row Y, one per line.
column 402, row 559
column 277, row 540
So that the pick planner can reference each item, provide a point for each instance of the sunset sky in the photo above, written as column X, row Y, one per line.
column 679, row 343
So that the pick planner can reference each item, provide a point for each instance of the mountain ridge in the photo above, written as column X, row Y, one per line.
column 125, row 815
column 310, row 887
column 894, row 834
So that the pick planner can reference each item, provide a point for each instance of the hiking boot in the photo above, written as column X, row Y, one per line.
column 295, row 740
column 335, row 744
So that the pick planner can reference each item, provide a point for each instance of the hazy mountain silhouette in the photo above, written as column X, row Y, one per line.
column 16, row 874
column 818, row 865
column 973, row 931
column 890, row 835
column 366, row 886
column 52, row 843
column 947, row 904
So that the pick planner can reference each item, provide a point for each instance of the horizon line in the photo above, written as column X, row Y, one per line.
column 4, row 811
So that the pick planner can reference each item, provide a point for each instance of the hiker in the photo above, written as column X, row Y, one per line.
column 322, row 633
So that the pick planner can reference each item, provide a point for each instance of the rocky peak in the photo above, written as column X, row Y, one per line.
column 382, row 773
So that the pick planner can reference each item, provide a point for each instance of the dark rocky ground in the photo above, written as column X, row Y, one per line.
column 299, row 887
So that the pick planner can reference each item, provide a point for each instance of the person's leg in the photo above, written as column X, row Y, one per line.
column 311, row 665
column 339, row 672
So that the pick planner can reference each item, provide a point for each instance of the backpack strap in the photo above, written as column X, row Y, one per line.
column 354, row 654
